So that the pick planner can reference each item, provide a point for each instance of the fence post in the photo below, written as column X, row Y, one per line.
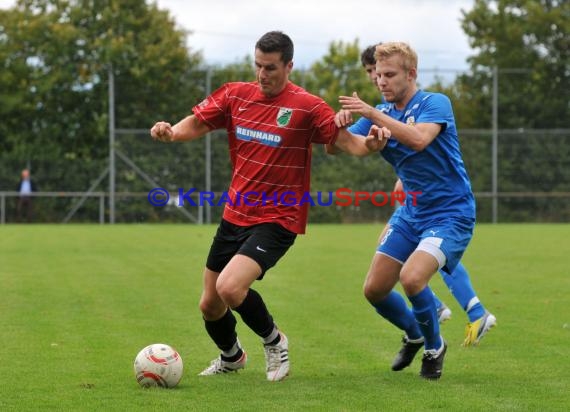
column 208, row 152
column 111, row 145
column 2, row 209
column 495, row 145
column 102, row 208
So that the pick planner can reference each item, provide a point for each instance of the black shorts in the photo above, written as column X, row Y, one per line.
column 265, row 243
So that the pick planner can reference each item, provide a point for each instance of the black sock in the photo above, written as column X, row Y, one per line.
column 223, row 333
column 255, row 314
column 275, row 341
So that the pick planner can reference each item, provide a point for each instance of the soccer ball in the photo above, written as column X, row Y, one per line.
column 158, row 365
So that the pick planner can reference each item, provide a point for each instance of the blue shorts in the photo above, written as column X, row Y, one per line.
column 444, row 239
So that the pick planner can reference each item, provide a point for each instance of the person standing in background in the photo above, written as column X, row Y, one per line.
column 25, row 187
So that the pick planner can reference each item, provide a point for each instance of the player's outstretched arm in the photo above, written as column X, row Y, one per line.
column 416, row 137
column 189, row 128
column 360, row 145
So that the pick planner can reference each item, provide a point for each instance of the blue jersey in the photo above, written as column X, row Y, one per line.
column 438, row 171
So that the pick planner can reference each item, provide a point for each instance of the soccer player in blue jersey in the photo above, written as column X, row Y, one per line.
column 458, row 282
column 432, row 233
column 369, row 64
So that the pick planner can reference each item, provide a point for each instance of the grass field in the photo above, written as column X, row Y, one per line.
column 78, row 303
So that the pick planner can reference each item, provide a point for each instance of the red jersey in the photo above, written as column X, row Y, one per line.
column 270, row 142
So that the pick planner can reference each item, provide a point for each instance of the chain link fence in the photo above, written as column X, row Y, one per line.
column 533, row 180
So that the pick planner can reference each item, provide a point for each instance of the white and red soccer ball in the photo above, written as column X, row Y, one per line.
column 158, row 365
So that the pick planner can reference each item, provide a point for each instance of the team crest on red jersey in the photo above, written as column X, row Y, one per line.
column 284, row 116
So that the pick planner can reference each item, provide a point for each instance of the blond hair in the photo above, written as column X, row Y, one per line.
column 387, row 50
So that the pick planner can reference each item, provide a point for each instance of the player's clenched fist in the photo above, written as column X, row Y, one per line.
column 162, row 131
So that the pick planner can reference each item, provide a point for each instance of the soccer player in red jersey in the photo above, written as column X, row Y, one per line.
column 271, row 124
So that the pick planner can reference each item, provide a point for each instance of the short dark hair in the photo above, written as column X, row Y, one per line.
column 276, row 41
column 367, row 56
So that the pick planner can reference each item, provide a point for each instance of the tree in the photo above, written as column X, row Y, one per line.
column 57, row 56
column 339, row 72
column 528, row 41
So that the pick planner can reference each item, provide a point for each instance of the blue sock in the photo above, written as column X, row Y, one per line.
column 459, row 285
column 394, row 309
column 423, row 307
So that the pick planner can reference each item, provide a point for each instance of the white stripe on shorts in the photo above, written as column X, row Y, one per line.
column 432, row 246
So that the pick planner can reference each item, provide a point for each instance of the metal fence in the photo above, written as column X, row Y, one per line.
column 532, row 173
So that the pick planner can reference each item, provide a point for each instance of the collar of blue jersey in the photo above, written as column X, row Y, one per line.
column 392, row 106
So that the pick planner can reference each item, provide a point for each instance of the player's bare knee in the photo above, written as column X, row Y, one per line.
column 412, row 284
column 212, row 309
column 231, row 293
column 368, row 292
column 373, row 293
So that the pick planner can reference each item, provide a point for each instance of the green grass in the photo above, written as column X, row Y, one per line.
column 78, row 302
